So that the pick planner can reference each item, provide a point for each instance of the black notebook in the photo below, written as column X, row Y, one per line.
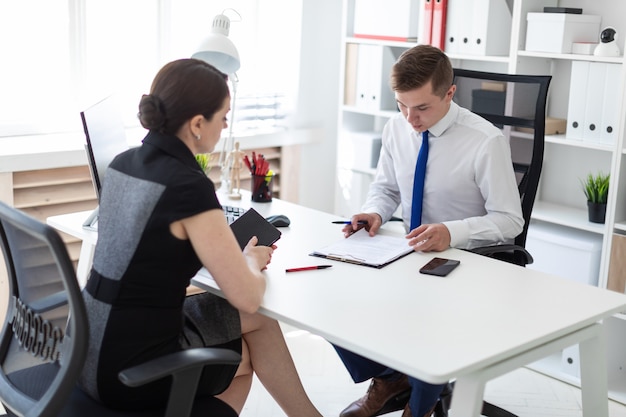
column 251, row 223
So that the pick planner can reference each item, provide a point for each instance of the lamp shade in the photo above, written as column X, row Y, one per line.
column 217, row 49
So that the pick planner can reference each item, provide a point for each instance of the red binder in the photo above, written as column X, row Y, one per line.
column 428, row 22
column 438, row 34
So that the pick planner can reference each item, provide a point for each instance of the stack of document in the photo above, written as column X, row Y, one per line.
column 362, row 249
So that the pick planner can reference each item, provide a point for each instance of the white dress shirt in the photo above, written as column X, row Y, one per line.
column 470, row 185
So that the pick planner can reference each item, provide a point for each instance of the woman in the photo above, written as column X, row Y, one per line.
column 159, row 223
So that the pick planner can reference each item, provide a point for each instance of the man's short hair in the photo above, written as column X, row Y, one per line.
column 419, row 65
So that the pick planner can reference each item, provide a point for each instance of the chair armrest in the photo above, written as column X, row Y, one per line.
column 185, row 368
column 50, row 302
column 176, row 363
column 510, row 253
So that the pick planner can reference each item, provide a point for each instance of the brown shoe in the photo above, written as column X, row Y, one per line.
column 383, row 396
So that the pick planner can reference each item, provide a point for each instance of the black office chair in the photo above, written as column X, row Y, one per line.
column 517, row 105
column 44, row 339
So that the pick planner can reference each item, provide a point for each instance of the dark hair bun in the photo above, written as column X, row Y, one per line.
column 151, row 113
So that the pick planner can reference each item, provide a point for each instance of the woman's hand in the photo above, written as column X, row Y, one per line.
column 258, row 257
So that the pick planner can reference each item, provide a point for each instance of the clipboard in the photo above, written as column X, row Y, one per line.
column 251, row 223
column 362, row 249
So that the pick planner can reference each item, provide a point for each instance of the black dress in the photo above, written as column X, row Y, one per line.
column 135, row 295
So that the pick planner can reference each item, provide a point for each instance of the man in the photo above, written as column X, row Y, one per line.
column 470, row 198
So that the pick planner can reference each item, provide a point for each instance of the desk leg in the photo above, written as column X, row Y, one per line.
column 468, row 397
column 593, row 375
column 84, row 263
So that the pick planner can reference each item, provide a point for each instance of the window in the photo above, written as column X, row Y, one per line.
column 62, row 56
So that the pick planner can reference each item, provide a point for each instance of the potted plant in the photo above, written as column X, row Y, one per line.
column 596, row 189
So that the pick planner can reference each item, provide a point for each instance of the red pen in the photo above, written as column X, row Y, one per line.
column 307, row 268
column 246, row 160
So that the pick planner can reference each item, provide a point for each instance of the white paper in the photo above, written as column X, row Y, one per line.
column 362, row 248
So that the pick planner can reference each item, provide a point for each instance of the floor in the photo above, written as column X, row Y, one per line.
column 523, row 392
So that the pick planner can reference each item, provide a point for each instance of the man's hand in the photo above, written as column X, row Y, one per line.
column 429, row 238
column 374, row 221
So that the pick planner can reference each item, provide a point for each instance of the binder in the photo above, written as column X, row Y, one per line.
column 577, row 100
column 366, row 72
column 349, row 93
column 593, row 109
column 593, row 104
column 392, row 20
column 611, row 105
column 457, row 25
column 478, row 27
column 374, row 64
column 438, row 35
column 428, row 22
column 490, row 32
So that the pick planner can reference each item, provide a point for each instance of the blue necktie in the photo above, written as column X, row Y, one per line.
column 418, row 182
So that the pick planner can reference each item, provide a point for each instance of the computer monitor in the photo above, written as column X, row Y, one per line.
column 105, row 139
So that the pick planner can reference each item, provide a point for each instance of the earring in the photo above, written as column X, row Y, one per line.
column 198, row 137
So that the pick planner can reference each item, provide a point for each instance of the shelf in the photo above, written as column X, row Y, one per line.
column 482, row 58
column 371, row 171
column 562, row 140
column 565, row 216
column 47, row 177
column 380, row 113
column 382, row 42
column 620, row 226
column 572, row 57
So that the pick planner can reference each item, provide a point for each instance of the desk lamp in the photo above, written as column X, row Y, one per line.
column 218, row 50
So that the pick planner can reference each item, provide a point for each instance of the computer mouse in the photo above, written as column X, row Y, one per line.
column 279, row 220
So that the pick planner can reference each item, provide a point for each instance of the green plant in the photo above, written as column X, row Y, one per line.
column 203, row 159
column 596, row 187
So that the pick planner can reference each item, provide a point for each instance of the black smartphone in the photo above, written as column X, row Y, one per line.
column 439, row 266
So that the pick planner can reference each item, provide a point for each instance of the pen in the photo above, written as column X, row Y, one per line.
column 349, row 222
column 307, row 268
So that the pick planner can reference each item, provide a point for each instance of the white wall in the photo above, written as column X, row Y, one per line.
column 318, row 100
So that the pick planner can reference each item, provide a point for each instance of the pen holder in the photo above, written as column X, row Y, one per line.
column 262, row 188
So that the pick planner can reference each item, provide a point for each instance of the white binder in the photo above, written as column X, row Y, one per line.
column 610, row 108
column 374, row 64
column 491, row 23
column 478, row 27
column 593, row 114
column 577, row 100
column 593, row 103
column 458, row 26
column 390, row 19
column 367, row 72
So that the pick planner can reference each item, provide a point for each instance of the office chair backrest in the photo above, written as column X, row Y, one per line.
column 516, row 104
column 45, row 330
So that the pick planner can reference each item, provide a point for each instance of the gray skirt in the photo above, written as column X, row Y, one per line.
column 210, row 321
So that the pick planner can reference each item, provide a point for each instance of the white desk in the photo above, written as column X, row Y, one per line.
column 483, row 320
